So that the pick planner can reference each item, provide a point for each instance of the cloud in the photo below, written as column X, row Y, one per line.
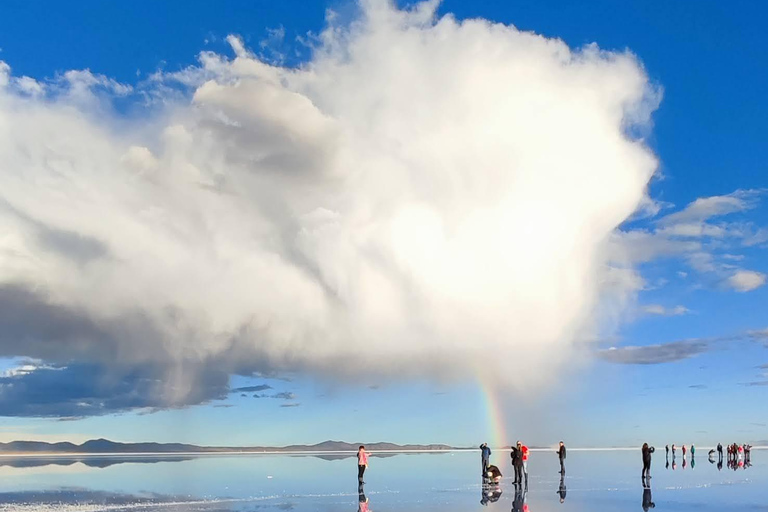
column 654, row 354
column 290, row 405
column 421, row 193
column 80, row 390
column 284, row 396
column 658, row 309
column 698, row 386
column 705, row 208
column 746, row 280
column 251, row 389
column 756, row 383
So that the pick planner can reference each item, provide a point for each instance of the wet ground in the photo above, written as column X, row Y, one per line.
column 448, row 482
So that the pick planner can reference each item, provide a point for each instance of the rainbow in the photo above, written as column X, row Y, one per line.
column 496, row 431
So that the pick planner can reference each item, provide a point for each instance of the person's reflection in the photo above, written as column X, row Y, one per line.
column 362, row 502
column 648, row 499
column 693, row 464
column 491, row 494
column 684, row 463
column 667, row 466
column 518, row 505
column 720, row 464
column 674, row 465
column 561, row 490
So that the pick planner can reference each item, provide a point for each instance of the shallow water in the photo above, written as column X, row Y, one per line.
column 594, row 481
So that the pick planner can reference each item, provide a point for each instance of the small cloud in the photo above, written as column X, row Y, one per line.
column 746, row 280
column 291, row 405
column 760, row 424
column 682, row 274
column 252, row 389
column 698, row 386
column 756, row 383
column 243, row 394
column 658, row 309
column 223, row 406
column 374, row 386
column 283, row 396
column 654, row 354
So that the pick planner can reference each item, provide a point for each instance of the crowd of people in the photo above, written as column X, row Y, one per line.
column 738, row 456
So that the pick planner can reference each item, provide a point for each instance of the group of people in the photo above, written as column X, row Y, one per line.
column 738, row 456
column 685, row 452
column 519, row 454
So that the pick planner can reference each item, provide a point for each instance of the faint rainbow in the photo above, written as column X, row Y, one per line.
column 494, row 415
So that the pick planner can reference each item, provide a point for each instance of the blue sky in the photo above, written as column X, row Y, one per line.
column 708, row 134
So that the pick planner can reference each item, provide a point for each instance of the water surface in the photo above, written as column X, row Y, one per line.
column 448, row 482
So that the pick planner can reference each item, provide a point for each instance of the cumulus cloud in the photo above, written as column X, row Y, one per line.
column 746, row 280
column 421, row 193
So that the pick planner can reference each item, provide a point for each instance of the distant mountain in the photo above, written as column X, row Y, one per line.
column 107, row 446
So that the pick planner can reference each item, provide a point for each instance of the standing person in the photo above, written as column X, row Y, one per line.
column 647, row 451
column 673, row 450
column 561, row 456
column 667, row 450
column 524, row 452
column 693, row 451
column 720, row 451
column 485, row 457
column 362, row 463
column 517, row 463
column 683, row 451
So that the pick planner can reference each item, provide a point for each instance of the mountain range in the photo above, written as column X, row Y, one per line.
column 107, row 446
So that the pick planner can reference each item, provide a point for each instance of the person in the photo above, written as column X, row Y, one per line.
column 561, row 490
column 673, row 451
column 561, row 456
column 666, row 448
column 362, row 463
column 693, row 451
column 647, row 451
column 517, row 463
column 493, row 474
column 720, row 450
column 524, row 452
column 648, row 499
column 683, row 451
column 485, row 456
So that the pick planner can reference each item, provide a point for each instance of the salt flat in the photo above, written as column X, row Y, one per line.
column 594, row 481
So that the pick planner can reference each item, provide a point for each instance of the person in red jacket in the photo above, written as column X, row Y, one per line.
column 524, row 452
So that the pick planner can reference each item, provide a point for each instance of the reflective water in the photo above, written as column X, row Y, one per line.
column 594, row 481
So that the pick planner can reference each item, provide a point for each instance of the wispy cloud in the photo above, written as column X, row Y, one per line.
column 252, row 389
column 654, row 354
column 291, row 405
column 658, row 309
column 698, row 386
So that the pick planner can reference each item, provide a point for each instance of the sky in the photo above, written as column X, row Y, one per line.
column 271, row 223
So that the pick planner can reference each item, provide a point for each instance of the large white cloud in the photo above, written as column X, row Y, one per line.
column 423, row 197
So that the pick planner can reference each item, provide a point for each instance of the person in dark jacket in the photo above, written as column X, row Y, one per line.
column 485, row 455
column 517, row 464
column 493, row 474
column 647, row 452
column 720, row 451
column 561, row 456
